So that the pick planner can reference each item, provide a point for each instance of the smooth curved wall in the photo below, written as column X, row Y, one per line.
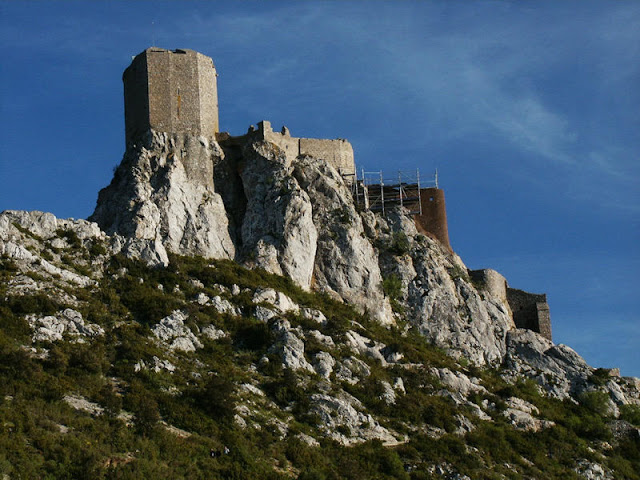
column 433, row 220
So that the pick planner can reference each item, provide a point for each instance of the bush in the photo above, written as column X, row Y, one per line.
column 216, row 397
column 630, row 413
column 71, row 237
column 596, row 402
column 400, row 244
column 392, row 286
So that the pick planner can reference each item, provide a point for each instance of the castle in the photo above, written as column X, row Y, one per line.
column 175, row 91
column 170, row 91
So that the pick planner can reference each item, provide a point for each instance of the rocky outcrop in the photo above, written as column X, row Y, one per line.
column 52, row 328
column 172, row 331
column 163, row 193
column 342, row 419
column 244, row 199
column 561, row 371
column 437, row 293
column 277, row 229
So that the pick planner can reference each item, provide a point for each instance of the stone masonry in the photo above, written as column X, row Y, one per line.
column 528, row 310
column 338, row 153
column 433, row 219
column 173, row 91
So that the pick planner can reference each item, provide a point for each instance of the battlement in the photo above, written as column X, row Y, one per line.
column 172, row 91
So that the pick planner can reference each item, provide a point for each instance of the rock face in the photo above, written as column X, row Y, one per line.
column 247, row 200
column 438, row 295
column 163, row 192
column 172, row 331
column 52, row 328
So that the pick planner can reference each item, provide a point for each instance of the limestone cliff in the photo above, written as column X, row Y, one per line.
column 248, row 199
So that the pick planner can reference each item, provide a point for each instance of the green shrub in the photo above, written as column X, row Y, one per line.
column 596, row 402
column 399, row 244
column 600, row 377
column 71, row 237
column 392, row 286
column 630, row 413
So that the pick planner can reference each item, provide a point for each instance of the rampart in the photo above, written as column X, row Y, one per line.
column 433, row 219
column 338, row 153
column 172, row 91
column 530, row 311
column 491, row 282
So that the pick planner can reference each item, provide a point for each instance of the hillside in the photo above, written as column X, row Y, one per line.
column 233, row 314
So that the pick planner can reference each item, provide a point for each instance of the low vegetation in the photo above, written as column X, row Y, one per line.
column 158, row 424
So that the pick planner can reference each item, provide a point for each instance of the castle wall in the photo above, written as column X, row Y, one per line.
column 338, row 153
column 530, row 311
column 433, row 219
column 492, row 282
column 208, row 94
column 171, row 91
column 136, row 97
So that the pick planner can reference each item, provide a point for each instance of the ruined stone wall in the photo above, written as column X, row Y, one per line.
column 530, row 311
column 433, row 219
column 171, row 91
column 491, row 282
column 338, row 153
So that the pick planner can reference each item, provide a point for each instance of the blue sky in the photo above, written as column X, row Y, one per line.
column 530, row 111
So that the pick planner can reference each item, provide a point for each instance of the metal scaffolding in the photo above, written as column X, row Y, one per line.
column 373, row 191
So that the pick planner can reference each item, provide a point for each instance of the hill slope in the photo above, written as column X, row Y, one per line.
column 127, row 354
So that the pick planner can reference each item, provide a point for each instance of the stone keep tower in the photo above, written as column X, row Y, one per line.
column 171, row 91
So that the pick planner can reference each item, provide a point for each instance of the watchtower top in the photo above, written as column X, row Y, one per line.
column 172, row 91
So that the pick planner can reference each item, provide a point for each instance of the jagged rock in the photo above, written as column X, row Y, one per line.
column 448, row 310
column 277, row 227
column 345, row 261
column 202, row 299
column 592, row 471
column 352, row 370
column 323, row 363
column 463, row 425
column 224, row 306
column 521, row 415
column 458, row 382
column 213, row 333
column 398, row 384
column 341, row 420
column 290, row 347
column 252, row 389
column 80, row 403
column 558, row 368
column 163, row 192
column 388, row 394
column 315, row 315
column 175, row 334
column 279, row 300
column 68, row 322
column 365, row 346
column 156, row 365
column 264, row 314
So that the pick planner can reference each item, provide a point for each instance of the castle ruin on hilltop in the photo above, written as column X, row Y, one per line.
column 170, row 91
column 175, row 91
